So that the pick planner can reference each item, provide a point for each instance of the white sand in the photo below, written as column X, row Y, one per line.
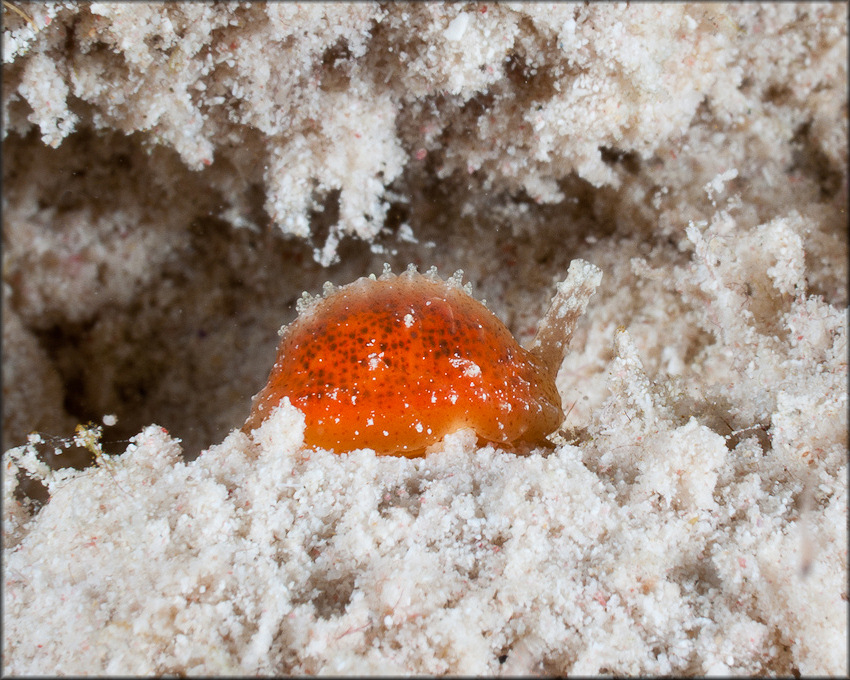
column 691, row 518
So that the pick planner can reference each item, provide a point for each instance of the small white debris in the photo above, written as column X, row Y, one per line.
column 716, row 186
column 405, row 233
column 470, row 368
column 457, row 27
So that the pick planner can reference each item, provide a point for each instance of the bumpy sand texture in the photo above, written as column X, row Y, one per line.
column 175, row 175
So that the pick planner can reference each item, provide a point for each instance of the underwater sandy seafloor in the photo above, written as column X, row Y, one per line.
column 176, row 175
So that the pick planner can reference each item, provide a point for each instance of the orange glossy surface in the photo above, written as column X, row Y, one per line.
column 395, row 364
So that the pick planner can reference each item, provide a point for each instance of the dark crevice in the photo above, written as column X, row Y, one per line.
column 336, row 67
column 629, row 160
column 810, row 160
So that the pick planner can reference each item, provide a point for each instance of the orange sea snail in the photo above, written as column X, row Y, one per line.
column 395, row 363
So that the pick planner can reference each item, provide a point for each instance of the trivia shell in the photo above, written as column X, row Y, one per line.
column 397, row 362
